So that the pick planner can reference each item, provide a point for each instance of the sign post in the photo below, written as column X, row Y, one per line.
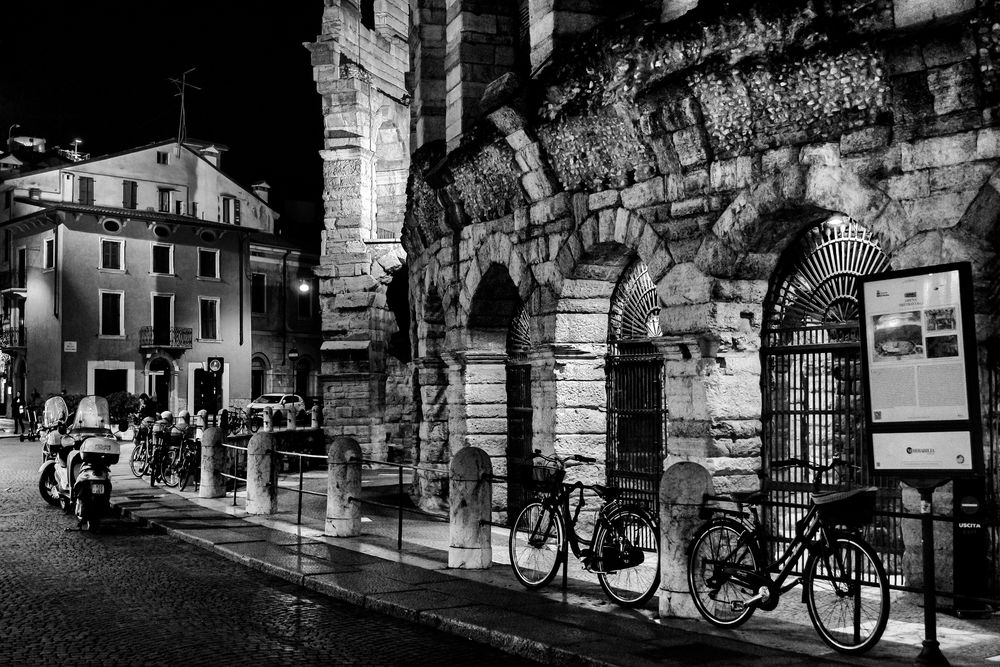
column 921, row 388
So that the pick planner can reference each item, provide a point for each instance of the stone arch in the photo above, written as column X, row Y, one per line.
column 392, row 166
column 260, row 371
column 155, row 384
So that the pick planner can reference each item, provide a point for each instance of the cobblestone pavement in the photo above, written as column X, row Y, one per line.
column 129, row 596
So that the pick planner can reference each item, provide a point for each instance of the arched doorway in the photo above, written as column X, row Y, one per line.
column 636, row 405
column 519, row 413
column 303, row 369
column 258, row 377
column 811, row 375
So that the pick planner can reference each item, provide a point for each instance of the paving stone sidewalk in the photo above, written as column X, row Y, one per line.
column 555, row 626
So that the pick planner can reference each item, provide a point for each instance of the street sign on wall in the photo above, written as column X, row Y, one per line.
column 920, row 372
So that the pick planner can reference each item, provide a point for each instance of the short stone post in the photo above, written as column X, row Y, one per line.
column 290, row 418
column 471, row 493
column 316, row 414
column 262, row 492
column 682, row 494
column 343, row 514
column 201, row 422
column 268, row 414
column 213, row 460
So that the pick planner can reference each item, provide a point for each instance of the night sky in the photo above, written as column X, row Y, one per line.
column 99, row 71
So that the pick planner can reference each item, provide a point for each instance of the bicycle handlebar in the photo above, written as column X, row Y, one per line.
column 564, row 460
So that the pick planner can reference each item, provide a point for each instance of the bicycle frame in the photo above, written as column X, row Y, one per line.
column 559, row 503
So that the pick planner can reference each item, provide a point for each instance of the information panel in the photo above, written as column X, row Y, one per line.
column 919, row 370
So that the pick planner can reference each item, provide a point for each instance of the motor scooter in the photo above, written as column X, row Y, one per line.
column 75, row 471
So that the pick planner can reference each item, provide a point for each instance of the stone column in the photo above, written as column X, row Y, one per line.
column 343, row 514
column 434, row 433
column 213, row 460
column 262, row 492
column 682, row 492
column 469, row 546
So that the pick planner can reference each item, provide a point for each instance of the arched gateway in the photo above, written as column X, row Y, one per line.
column 810, row 379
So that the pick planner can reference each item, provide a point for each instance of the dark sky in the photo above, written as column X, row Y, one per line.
column 100, row 71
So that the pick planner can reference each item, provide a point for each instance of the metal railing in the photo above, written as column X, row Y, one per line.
column 399, row 506
column 236, row 449
column 276, row 457
column 173, row 337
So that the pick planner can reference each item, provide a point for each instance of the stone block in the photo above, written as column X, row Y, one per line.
column 692, row 206
column 646, row 193
column 827, row 154
column 779, row 159
column 581, row 393
column 485, row 393
column 938, row 151
column 579, row 370
column 937, row 211
column 550, row 209
column 691, row 145
column 912, row 185
column 684, row 284
column 960, row 177
column 722, row 174
column 580, row 420
column 593, row 445
column 864, row 139
column 485, row 426
column 581, row 328
column 603, row 199
column 954, row 88
column 478, row 374
column 987, row 143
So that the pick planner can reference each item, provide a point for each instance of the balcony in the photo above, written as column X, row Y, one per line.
column 165, row 338
column 12, row 337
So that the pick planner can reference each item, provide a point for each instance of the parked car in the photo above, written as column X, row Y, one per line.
column 277, row 401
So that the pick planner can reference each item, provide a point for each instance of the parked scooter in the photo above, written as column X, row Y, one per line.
column 75, row 473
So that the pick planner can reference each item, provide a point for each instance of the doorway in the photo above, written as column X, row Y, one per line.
column 163, row 318
column 160, row 384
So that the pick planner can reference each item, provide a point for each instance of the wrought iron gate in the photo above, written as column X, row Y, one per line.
column 519, row 414
column 811, row 382
column 637, row 414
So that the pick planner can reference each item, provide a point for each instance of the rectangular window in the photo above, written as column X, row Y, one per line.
column 231, row 210
column 208, row 310
column 8, row 198
column 165, row 195
column 194, row 209
column 179, row 207
column 163, row 259
column 49, row 254
column 258, row 293
column 129, row 191
column 112, row 254
column 162, row 157
column 208, row 263
column 86, row 190
column 112, row 313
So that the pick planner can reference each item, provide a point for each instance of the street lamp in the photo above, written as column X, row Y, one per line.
column 76, row 148
column 304, row 286
column 10, row 130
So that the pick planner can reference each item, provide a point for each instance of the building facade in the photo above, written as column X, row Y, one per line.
column 634, row 232
column 128, row 272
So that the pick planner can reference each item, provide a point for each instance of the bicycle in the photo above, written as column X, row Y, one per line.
column 142, row 451
column 844, row 583
column 240, row 422
column 189, row 467
column 173, row 445
column 623, row 550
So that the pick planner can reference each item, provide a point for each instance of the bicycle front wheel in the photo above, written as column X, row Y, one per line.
column 630, row 538
column 170, row 470
column 536, row 544
column 139, row 460
column 847, row 593
column 720, row 557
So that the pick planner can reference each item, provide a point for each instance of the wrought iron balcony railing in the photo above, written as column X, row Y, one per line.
column 178, row 338
column 12, row 337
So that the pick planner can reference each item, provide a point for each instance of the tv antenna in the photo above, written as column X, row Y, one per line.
column 182, row 86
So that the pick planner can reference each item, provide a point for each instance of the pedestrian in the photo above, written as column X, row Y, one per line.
column 18, row 408
column 147, row 408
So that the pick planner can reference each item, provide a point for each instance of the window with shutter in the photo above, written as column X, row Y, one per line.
column 86, row 190
column 129, row 191
column 236, row 211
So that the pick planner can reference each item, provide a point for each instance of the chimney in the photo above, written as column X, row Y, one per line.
column 213, row 155
column 35, row 193
column 261, row 188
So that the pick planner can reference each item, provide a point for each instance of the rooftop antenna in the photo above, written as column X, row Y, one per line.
column 182, row 86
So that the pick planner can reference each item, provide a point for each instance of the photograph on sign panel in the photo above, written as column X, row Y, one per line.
column 939, row 347
column 897, row 336
column 939, row 319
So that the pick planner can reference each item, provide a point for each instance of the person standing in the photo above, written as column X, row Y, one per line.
column 18, row 407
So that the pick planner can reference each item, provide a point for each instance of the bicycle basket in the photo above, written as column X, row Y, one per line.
column 537, row 478
column 853, row 508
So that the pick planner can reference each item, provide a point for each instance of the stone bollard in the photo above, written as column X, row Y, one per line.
column 343, row 515
column 315, row 414
column 267, row 416
column 471, row 495
column 262, row 492
column 213, row 460
column 290, row 419
column 201, row 421
column 682, row 492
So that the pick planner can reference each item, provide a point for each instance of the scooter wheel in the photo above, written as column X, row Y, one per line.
column 22, row 437
column 47, row 487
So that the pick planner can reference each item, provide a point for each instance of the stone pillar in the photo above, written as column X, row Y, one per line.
column 343, row 514
column 682, row 492
column 316, row 415
column 268, row 418
column 471, row 494
column 434, row 434
column 290, row 417
column 262, row 492
column 213, row 460
column 427, row 53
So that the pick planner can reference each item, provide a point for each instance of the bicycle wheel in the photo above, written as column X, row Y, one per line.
column 169, row 469
column 186, row 471
column 535, row 545
column 719, row 551
column 254, row 423
column 630, row 537
column 139, row 460
column 847, row 593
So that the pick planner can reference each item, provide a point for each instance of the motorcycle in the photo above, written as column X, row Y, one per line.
column 77, row 456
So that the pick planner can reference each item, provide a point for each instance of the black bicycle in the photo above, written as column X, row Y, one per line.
column 623, row 551
column 844, row 583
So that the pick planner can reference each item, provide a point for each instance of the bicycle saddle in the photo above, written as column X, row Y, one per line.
column 609, row 493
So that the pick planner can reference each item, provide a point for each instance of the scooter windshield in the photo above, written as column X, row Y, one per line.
column 92, row 413
column 55, row 411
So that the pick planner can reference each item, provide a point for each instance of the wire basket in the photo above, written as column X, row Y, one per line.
column 542, row 479
column 853, row 509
